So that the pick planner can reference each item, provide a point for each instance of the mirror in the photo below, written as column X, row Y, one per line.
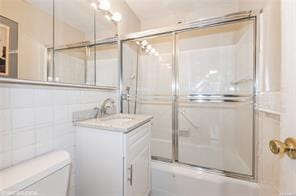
column 57, row 41
column 8, row 47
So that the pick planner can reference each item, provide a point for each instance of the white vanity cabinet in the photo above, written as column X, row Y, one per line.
column 137, row 162
column 113, row 163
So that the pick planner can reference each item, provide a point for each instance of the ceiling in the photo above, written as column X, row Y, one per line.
column 159, row 9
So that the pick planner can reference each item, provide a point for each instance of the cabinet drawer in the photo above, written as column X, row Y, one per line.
column 135, row 135
column 137, row 140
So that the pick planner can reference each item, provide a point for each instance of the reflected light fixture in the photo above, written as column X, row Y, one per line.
column 147, row 47
column 94, row 5
column 116, row 17
column 104, row 5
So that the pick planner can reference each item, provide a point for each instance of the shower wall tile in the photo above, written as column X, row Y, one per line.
column 44, row 133
column 5, row 159
column 22, row 98
column 22, row 117
column 44, row 97
column 22, row 138
column 5, row 118
column 4, row 98
column 43, row 115
column 5, row 142
column 23, row 154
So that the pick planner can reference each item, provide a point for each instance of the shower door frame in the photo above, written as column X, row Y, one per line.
column 202, row 24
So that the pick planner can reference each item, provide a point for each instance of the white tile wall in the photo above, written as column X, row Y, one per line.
column 35, row 120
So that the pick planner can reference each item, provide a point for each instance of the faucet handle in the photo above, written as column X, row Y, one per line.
column 97, row 111
column 108, row 107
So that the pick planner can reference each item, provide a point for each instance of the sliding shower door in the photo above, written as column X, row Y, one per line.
column 199, row 86
column 215, row 97
column 147, row 87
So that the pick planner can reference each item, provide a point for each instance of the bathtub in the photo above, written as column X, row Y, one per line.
column 209, row 156
column 175, row 180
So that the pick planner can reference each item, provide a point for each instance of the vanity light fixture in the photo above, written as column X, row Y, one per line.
column 116, row 17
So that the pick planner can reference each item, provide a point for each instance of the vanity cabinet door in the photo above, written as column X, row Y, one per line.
column 138, row 162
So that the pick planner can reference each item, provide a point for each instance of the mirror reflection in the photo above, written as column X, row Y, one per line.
column 56, row 41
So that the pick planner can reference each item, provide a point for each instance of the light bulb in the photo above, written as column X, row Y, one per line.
column 104, row 5
column 116, row 17
column 153, row 50
column 144, row 43
column 149, row 47
column 94, row 5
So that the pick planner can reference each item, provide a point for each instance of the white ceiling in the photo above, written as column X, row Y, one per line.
column 159, row 9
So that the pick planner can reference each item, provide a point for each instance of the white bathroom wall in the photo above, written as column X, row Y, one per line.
column 36, row 119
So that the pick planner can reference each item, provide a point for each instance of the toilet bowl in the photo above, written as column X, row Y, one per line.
column 47, row 175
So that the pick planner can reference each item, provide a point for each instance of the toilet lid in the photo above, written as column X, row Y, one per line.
column 20, row 176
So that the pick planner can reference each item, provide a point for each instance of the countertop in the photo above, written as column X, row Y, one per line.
column 117, row 122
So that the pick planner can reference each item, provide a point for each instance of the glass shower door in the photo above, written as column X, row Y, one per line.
column 215, row 97
column 147, row 87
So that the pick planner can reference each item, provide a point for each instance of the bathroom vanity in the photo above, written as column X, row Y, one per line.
column 113, row 156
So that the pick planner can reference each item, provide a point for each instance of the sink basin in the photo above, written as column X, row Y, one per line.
column 118, row 119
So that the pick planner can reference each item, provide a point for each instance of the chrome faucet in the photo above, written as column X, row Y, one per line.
column 107, row 104
column 104, row 109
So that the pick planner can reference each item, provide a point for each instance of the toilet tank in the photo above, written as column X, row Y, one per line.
column 47, row 175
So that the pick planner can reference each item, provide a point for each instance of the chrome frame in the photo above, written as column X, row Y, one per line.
column 112, row 40
column 175, row 105
column 201, row 24
column 82, row 45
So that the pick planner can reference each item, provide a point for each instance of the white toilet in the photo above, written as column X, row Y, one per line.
column 47, row 175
